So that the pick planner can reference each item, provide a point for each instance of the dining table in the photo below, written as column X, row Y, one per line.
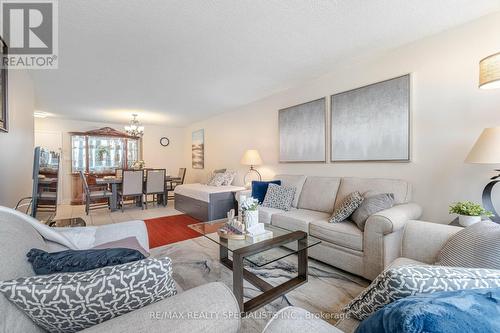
column 115, row 182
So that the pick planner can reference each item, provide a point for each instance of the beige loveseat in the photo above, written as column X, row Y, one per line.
column 344, row 245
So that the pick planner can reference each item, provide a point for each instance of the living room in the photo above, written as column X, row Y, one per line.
column 337, row 103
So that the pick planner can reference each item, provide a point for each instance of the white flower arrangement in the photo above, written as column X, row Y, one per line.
column 250, row 204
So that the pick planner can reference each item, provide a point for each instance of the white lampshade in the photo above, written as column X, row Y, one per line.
column 486, row 150
column 489, row 72
column 251, row 157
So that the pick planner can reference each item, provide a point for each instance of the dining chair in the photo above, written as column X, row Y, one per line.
column 155, row 185
column 172, row 184
column 132, row 185
column 94, row 194
column 118, row 173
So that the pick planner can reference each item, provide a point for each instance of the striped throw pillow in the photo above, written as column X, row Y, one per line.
column 477, row 246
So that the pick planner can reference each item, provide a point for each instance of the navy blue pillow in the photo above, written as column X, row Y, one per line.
column 259, row 188
column 79, row 260
column 472, row 311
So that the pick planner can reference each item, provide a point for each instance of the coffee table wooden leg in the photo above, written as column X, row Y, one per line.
column 302, row 258
column 238, row 279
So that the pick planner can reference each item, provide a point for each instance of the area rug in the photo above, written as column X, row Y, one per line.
column 170, row 229
column 196, row 262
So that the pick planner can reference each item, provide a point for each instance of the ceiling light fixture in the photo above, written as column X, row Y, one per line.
column 135, row 128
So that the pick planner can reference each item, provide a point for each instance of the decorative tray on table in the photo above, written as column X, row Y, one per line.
column 233, row 229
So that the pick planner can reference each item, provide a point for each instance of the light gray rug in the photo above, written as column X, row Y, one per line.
column 196, row 262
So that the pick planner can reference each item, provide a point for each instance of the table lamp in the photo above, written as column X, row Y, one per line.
column 486, row 150
column 251, row 158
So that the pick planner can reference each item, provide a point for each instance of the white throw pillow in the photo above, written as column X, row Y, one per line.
column 217, row 180
column 228, row 177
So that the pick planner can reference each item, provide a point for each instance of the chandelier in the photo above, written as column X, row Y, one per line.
column 135, row 128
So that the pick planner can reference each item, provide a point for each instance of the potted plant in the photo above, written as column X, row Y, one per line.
column 250, row 210
column 469, row 212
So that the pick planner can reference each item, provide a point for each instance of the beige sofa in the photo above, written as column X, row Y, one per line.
column 343, row 244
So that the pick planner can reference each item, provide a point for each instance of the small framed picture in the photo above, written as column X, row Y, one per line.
column 3, row 89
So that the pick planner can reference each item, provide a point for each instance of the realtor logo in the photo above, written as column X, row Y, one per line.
column 29, row 28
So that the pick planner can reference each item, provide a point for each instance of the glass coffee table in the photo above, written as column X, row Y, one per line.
column 259, row 253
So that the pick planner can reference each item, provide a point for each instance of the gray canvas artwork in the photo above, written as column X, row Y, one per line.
column 372, row 123
column 302, row 132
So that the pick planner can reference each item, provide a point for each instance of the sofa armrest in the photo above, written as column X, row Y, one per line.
column 425, row 249
column 244, row 192
column 392, row 219
column 296, row 320
column 207, row 308
column 382, row 236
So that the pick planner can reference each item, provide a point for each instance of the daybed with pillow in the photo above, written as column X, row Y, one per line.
column 207, row 202
column 363, row 249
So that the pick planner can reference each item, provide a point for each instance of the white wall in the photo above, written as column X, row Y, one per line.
column 449, row 112
column 16, row 161
column 155, row 155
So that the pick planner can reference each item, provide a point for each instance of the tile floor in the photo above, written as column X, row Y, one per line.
column 104, row 216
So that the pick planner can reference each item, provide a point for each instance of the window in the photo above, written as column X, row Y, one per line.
column 103, row 154
column 78, row 153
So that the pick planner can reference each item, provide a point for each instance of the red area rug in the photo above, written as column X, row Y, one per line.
column 170, row 229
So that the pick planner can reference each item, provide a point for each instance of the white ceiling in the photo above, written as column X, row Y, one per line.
column 175, row 62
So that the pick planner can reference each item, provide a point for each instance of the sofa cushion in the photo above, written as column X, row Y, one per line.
column 345, row 233
column 475, row 246
column 400, row 188
column 70, row 302
column 399, row 282
column 319, row 193
column 297, row 219
column 296, row 181
column 266, row 213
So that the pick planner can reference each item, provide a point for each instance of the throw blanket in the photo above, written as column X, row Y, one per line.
column 472, row 311
column 79, row 261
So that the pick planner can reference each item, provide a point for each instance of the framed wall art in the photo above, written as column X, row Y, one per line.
column 198, row 149
column 302, row 132
column 372, row 123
